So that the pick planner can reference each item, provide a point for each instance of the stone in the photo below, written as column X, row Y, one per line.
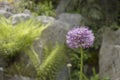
column 63, row 74
column 16, row 18
column 66, row 6
column 55, row 33
column 109, row 57
column 3, row 3
column 45, row 19
column 5, row 6
column 1, row 73
column 5, row 13
column 2, row 62
column 71, row 19
column 62, row 6
column 26, row 11
column 16, row 77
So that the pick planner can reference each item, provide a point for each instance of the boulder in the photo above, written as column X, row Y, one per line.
column 16, row 18
column 5, row 9
column 5, row 13
column 62, row 6
column 45, row 19
column 63, row 74
column 26, row 11
column 55, row 33
column 1, row 73
column 109, row 57
column 4, row 5
column 58, row 28
column 71, row 19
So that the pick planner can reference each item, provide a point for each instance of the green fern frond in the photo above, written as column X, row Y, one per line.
column 51, row 65
column 16, row 38
column 47, row 50
column 34, row 57
column 48, row 69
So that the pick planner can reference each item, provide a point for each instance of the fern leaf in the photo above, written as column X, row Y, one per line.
column 16, row 38
column 34, row 57
column 51, row 65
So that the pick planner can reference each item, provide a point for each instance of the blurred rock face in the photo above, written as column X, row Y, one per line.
column 109, row 57
column 5, row 9
column 58, row 28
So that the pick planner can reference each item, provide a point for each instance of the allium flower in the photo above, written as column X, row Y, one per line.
column 80, row 37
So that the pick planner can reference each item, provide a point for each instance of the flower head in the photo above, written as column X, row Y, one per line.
column 80, row 37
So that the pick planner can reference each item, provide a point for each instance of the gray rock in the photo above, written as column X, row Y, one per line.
column 45, row 19
column 109, row 57
column 65, row 6
column 71, row 19
column 3, row 3
column 16, row 18
column 1, row 73
column 16, row 77
column 63, row 74
column 5, row 13
column 56, row 32
column 26, row 11
column 2, row 62
column 5, row 6
column 62, row 6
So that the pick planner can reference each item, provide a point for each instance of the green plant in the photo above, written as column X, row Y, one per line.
column 21, row 5
column 96, row 76
column 74, row 57
column 40, row 8
column 16, row 38
column 20, row 67
column 50, row 65
column 45, row 8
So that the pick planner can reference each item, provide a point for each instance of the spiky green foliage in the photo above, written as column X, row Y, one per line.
column 20, row 68
column 51, row 64
column 16, row 38
column 97, row 77
column 48, row 69
column 34, row 57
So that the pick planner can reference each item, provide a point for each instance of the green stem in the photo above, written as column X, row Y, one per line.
column 69, row 73
column 83, row 75
column 81, row 63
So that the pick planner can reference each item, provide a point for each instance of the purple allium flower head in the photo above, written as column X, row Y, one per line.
column 80, row 37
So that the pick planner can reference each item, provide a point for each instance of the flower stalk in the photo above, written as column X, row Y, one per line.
column 81, row 63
